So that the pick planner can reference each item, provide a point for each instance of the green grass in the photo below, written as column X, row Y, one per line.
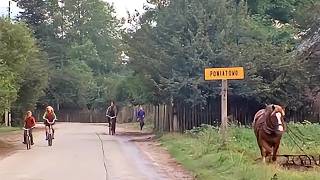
column 201, row 152
column 4, row 129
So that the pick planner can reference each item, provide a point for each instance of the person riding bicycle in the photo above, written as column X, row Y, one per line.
column 49, row 118
column 112, row 112
column 29, row 123
column 140, row 117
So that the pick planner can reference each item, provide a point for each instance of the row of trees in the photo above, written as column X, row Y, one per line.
column 62, row 53
column 75, row 54
column 177, row 39
column 23, row 68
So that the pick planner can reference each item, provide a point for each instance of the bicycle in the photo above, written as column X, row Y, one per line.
column 50, row 133
column 111, row 125
column 27, row 137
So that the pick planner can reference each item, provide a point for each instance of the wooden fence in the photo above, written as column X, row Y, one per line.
column 180, row 117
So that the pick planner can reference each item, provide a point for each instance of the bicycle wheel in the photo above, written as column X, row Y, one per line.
column 28, row 142
column 49, row 139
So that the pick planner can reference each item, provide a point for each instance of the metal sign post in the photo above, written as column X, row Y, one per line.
column 224, row 74
column 224, row 106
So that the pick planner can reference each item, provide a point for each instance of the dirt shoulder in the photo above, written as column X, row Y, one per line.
column 153, row 150
column 10, row 142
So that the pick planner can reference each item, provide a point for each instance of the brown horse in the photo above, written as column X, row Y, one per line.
column 269, row 125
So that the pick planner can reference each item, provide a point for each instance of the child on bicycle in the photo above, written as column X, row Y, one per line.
column 49, row 117
column 29, row 123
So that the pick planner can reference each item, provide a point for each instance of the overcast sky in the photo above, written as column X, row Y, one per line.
column 121, row 6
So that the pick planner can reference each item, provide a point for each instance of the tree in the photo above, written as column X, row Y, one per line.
column 175, row 42
column 71, row 86
column 79, row 36
column 91, row 22
column 34, row 14
column 23, row 71
column 175, row 50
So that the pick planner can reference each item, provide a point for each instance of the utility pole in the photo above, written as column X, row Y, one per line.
column 9, row 10
column 61, row 5
column 237, row 21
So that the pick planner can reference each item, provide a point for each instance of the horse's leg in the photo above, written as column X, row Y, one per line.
column 275, row 150
column 262, row 152
column 266, row 149
column 264, row 155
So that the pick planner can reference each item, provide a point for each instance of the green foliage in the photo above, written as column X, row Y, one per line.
column 191, row 35
column 94, row 26
column 174, row 52
column 307, row 15
column 72, row 85
column 35, row 81
column 168, row 49
column 282, row 10
column 80, row 38
column 126, row 89
column 23, row 71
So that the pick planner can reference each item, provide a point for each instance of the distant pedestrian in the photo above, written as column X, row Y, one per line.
column 140, row 117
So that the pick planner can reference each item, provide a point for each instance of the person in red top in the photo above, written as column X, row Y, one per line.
column 49, row 118
column 29, row 123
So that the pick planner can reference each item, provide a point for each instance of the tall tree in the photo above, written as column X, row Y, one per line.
column 174, row 43
column 23, row 69
column 78, row 36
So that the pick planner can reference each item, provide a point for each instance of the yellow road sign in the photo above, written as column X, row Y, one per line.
column 223, row 73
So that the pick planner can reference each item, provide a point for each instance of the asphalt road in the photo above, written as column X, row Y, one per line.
column 80, row 152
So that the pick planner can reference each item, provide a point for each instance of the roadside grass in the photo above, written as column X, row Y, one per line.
column 200, row 151
column 4, row 129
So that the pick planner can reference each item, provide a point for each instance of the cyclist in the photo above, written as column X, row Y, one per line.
column 140, row 116
column 49, row 118
column 29, row 123
column 112, row 112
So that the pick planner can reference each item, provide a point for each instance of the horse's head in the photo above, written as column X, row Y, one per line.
column 277, row 114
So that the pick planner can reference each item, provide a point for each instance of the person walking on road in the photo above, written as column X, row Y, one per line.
column 140, row 116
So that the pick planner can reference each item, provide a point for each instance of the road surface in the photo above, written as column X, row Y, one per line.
column 80, row 152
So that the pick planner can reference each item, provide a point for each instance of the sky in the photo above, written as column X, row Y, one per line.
column 4, row 8
column 121, row 6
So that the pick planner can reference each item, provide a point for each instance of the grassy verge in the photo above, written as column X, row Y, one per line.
column 4, row 129
column 201, row 152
